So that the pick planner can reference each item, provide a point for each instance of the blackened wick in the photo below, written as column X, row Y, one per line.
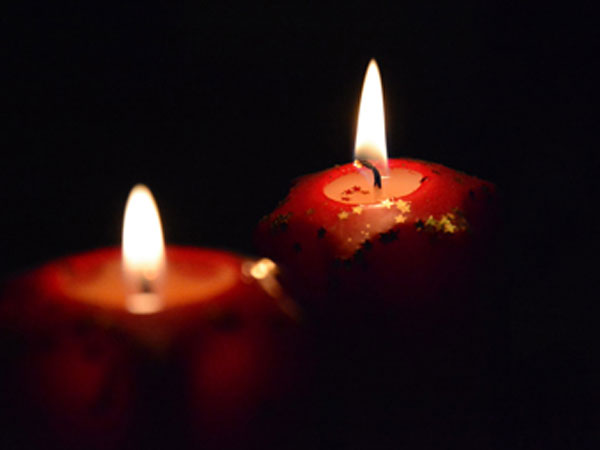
column 376, row 174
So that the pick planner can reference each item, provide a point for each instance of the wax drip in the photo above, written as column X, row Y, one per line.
column 376, row 174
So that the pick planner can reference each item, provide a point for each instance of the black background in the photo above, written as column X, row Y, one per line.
column 217, row 108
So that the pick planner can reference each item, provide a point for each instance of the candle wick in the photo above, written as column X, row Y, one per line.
column 145, row 285
column 376, row 174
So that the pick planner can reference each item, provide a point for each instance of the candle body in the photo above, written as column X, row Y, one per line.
column 394, row 285
column 402, row 250
column 86, row 373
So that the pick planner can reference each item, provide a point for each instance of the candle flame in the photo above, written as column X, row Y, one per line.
column 370, row 133
column 143, row 253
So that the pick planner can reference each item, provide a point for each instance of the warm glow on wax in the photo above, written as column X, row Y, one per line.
column 143, row 251
column 370, row 133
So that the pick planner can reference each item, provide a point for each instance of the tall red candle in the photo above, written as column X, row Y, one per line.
column 190, row 348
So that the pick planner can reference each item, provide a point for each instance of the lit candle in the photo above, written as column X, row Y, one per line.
column 107, row 340
column 403, row 231
column 387, row 257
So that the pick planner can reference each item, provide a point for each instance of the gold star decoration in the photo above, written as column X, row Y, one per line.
column 357, row 210
column 343, row 215
column 403, row 206
column 431, row 222
column 449, row 227
column 445, row 224
column 387, row 203
column 443, row 220
column 400, row 218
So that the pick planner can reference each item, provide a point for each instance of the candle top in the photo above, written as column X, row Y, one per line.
column 192, row 275
column 357, row 188
column 444, row 203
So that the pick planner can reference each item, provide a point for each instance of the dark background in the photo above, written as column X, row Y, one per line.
column 218, row 108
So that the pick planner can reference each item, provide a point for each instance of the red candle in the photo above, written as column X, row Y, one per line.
column 387, row 257
column 107, row 345
column 404, row 231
